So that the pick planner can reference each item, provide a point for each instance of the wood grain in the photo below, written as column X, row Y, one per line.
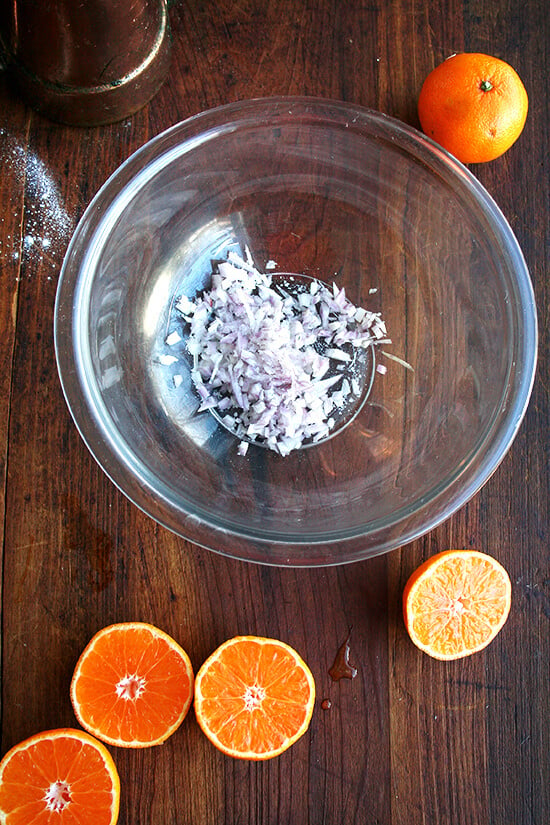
column 408, row 741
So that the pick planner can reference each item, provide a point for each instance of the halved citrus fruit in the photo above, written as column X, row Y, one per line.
column 63, row 776
column 456, row 602
column 254, row 697
column 132, row 685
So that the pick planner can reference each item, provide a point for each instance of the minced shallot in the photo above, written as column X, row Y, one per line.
column 269, row 359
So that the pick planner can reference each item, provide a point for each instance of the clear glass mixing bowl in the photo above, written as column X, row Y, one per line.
column 338, row 193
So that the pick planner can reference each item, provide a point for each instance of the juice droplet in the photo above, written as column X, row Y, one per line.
column 341, row 669
column 326, row 704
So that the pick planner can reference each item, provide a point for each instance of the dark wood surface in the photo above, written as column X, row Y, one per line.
column 410, row 740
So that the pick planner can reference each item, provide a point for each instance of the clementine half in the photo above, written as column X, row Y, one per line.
column 132, row 685
column 63, row 776
column 456, row 602
column 254, row 697
column 474, row 105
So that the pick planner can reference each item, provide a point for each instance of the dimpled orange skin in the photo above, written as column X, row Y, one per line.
column 473, row 105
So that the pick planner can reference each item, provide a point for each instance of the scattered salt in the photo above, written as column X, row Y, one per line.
column 45, row 218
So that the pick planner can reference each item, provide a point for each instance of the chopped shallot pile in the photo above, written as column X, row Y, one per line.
column 264, row 353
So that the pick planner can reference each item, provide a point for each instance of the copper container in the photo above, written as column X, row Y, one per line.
column 86, row 62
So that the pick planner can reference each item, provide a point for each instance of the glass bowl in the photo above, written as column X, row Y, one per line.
column 334, row 192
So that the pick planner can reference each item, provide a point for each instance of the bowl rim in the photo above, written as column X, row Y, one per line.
column 227, row 540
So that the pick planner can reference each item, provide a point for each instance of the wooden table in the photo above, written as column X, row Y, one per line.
column 410, row 740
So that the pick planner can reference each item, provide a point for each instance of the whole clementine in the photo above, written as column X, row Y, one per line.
column 473, row 105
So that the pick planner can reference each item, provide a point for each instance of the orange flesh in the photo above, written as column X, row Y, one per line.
column 155, row 686
column 86, row 768
column 255, row 698
column 456, row 603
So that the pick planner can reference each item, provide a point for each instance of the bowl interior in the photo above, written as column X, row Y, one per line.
column 342, row 195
